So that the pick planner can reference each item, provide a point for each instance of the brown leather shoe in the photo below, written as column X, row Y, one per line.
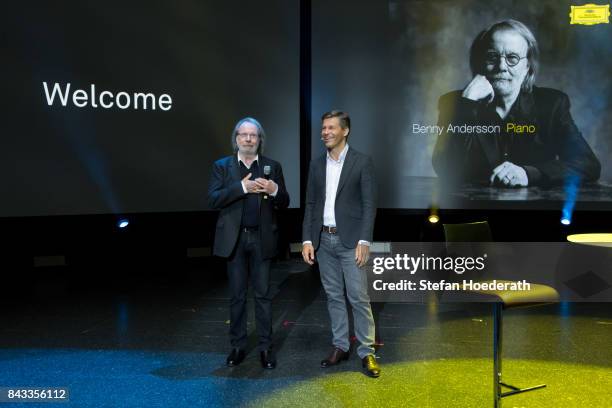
column 336, row 356
column 371, row 366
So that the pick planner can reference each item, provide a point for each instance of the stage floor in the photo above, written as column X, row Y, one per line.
column 162, row 342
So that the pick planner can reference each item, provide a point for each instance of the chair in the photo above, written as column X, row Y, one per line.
column 504, row 299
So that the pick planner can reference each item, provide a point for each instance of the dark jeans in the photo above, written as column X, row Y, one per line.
column 246, row 262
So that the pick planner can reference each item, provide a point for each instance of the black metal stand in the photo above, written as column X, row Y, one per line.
column 497, row 361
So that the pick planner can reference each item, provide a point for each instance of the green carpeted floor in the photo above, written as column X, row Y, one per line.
column 451, row 383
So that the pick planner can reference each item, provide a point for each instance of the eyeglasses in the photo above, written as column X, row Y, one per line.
column 245, row 135
column 492, row 58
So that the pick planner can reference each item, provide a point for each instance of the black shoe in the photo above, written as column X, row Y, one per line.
column 267, row 359
column 235, row 357
column 337, row 355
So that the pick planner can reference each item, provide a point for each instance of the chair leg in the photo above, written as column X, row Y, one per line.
column 497, row 351
column 497, row 360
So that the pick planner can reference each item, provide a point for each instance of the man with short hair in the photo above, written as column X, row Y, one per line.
column 338, row 226
column 248, row 188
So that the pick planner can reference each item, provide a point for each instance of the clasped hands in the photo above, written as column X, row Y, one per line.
column 510, row 175
column 259, row 185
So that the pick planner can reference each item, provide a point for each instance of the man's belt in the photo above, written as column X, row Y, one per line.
column 249, row 229
column 330, row 230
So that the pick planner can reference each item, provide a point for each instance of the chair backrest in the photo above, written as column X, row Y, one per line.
column 470, row 239
column 468, row 232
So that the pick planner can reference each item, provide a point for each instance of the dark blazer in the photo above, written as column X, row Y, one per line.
column 555, row 151
column 225, row 193
column 355, row 207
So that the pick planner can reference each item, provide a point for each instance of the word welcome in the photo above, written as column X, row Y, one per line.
column 105, row 99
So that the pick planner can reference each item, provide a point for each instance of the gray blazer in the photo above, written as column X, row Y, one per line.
column 355, row 207
column 225, row 193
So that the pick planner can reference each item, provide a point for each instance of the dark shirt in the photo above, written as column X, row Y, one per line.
column 250, row 210
column 553, row 151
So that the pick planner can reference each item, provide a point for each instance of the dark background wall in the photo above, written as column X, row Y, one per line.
column 218, row 62
column 68, row 174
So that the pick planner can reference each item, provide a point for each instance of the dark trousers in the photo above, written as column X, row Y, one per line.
column 246, row 262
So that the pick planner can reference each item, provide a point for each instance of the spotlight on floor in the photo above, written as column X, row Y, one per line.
column 433, row 215
column 123, row 223
column 571, row 193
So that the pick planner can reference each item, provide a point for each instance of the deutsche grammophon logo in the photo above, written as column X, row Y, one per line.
column 590, row 14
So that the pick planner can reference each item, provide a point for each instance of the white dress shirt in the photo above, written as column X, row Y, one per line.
column 333, row 169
